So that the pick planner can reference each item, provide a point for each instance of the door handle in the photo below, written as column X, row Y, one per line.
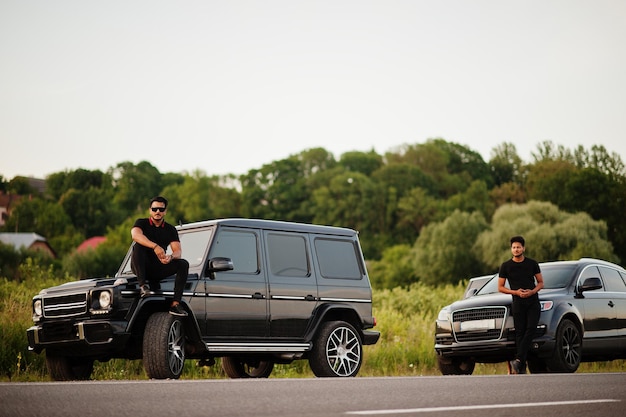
column 309, row 298
column 611, row 304
column 257, row 296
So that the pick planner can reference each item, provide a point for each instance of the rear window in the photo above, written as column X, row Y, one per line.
column 338, row 259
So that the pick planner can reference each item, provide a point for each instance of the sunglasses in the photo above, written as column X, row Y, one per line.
column 155, row 209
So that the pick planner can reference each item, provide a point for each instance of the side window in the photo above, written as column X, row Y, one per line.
column 241, row 247
column 287, row 255
column 612, row 280
column 338, row 258
column 589, row 272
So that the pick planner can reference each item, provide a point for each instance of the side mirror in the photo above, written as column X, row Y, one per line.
column 219, row 264
column 591, row 284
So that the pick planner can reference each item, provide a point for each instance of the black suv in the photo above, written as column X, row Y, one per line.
column 259, row 292
column 583, row 319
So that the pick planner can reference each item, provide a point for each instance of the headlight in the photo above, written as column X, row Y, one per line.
column 444, row 315
column 101, row 302
column 105, row 299
column 37, row 310
column 546, row 305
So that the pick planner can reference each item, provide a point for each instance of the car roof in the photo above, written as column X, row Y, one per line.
column 271, row 225
column 583, row 262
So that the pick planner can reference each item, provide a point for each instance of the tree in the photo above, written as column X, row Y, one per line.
column 442, row 253
column 394, row 269
column 135, row 185
column 21, row 186
column 59, row 183
column 551, row 234
column 200, row 197
column 363, row 162
column 506, row 165
column 276, row 191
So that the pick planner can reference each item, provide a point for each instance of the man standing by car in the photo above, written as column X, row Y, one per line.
column 150, row 262
column 525, row 281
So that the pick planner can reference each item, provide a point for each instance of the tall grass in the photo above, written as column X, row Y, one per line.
column 405, row 319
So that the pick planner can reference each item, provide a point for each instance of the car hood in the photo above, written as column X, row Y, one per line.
column 79, row 286
column 482, row 301
column 495, row 299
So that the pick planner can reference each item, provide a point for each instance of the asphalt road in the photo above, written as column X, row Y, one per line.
column 546, row 395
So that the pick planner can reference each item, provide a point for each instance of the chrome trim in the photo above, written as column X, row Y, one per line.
column 68, row 306
column 219, row 295
column 290, row 297
column 259, row 347
column 346, row 300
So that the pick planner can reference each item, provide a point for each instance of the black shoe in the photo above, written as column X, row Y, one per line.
column 144, row 290
column 516, row 367
column 178, row 310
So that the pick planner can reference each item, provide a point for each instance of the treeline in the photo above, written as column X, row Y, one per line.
column 434, row 212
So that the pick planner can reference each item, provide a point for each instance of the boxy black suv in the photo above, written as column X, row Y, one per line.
column 259, row 292
column 583, row 319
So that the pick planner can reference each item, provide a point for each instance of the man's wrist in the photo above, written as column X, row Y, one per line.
column 155, row 246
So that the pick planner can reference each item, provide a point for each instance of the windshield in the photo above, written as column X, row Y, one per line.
column 554, row 276
column 193, row 244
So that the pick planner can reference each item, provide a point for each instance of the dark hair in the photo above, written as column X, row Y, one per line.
column 518, row 239
column 159, row 199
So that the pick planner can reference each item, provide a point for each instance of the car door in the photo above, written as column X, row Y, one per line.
column 616, row 290
column 599, row 315
column 236, row 305
column 292, row 283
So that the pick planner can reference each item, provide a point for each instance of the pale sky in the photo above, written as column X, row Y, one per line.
column 228, row 86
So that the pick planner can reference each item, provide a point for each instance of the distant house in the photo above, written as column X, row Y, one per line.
column 30, row 241
column 90, row 243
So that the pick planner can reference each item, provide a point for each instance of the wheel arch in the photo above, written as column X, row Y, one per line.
column 334, row 312
column 150, row 305
column 566, row 311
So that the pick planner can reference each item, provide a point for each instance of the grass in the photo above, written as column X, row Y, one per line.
column 405, row 319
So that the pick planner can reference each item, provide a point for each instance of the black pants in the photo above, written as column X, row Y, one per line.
column 152, row 271
column 525, row 318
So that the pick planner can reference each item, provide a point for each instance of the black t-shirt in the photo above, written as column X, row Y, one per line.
column 162, row 235
column 520, row 274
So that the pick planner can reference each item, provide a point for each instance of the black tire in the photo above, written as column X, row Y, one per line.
column 164, row 346
column 236, row 367
column 63, row 368
column 456, row 366
column 567, row 350
column 337, row 351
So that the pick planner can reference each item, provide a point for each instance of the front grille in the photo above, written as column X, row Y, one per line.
column 479, row 324
column 65, row 305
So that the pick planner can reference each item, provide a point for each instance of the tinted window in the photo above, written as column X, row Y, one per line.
column 589, row 272
column 557, row 276
column 287, row 255
column 241, row 247
column 338, row 259
column 554, row 276
column 612, row 280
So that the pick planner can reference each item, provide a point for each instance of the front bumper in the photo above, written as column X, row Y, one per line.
column 91, row 335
